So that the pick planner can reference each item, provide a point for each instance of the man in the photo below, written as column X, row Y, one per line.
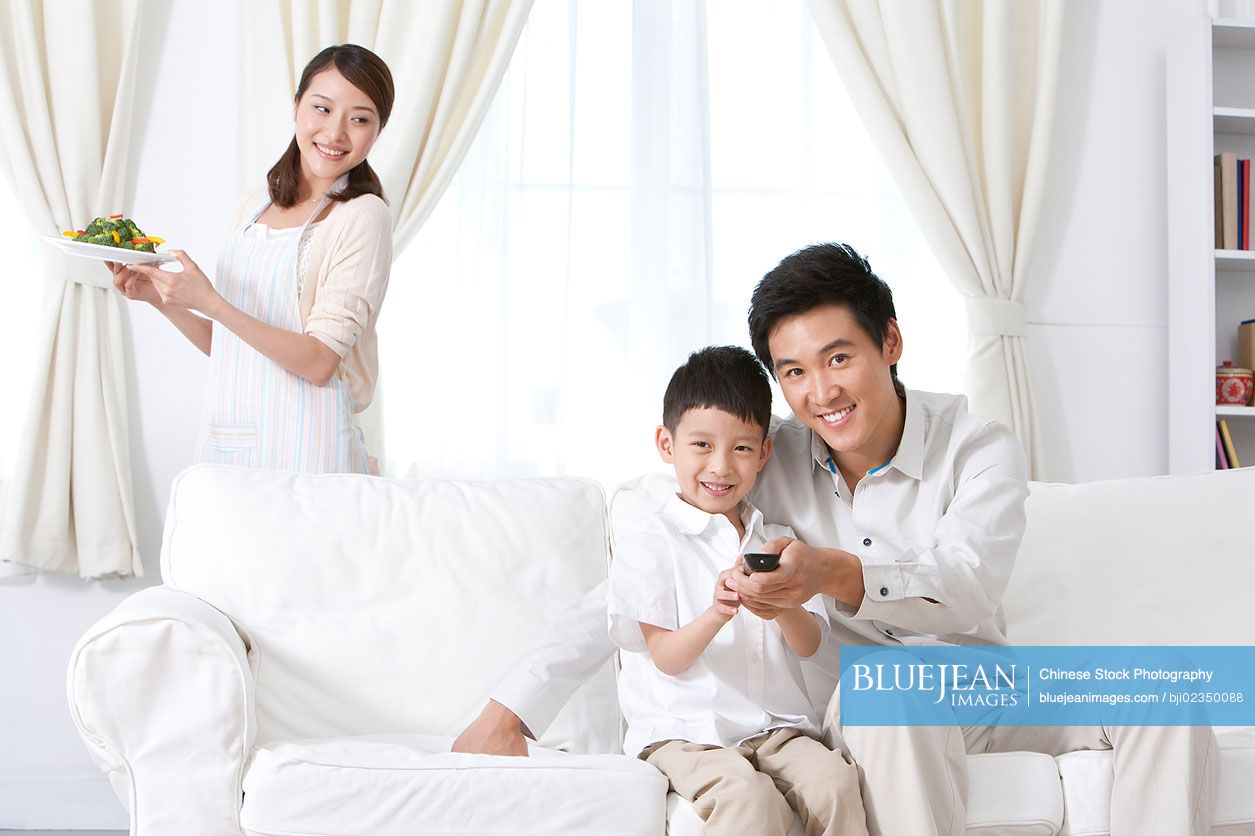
column 919, row 510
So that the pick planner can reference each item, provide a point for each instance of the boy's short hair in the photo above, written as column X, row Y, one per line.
column 724, row 377
column 822, row 274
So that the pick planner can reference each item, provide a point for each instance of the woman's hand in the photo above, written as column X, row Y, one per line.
column 132, row 285
column 190, row 288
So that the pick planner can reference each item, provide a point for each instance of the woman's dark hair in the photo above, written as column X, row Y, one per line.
column 367, row 72
column 725, row 377
column 822, row 274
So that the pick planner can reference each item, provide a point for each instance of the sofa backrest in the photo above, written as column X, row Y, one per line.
column 1162, row 560
column 380, row 605
column 1155, row 560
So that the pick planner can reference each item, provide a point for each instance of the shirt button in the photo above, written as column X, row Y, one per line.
column 888, row 632
column 884, row 590
column 867, row 541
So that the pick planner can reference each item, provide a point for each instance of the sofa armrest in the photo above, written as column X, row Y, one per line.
column 162, row 692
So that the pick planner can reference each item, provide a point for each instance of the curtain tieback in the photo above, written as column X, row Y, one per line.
column 996, row 317
column 60, row 266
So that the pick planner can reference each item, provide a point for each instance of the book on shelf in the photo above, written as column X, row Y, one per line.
column 1244, row 203
column 1246, row 344
column 1231, row 179
column 1230, row 453
column 1226, row 165
column 1222, row 459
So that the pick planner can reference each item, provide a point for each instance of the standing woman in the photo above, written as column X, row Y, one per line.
column 289, row 326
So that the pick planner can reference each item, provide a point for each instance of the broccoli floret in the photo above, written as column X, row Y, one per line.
column 101, row 231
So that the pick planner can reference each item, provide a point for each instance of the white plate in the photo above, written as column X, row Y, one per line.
column 102, row 253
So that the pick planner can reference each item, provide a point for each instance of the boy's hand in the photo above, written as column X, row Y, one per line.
column 726, row 601
column 764, row 611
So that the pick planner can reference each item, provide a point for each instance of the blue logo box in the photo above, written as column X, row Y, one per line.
column 1047, row 686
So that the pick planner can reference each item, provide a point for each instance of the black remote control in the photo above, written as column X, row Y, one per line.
column 762, row 561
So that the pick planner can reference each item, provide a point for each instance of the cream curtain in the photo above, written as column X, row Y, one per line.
column 67, row 73
column 959, row 96
column 447, row 59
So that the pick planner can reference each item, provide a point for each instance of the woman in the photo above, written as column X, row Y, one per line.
column 289, row 326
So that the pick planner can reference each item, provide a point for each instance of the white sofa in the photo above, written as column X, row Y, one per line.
column 318, row 640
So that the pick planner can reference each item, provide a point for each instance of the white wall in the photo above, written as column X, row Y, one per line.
column 1097, row 342
column 1097, row 301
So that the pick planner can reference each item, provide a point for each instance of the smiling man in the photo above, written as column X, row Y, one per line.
column 908, row 513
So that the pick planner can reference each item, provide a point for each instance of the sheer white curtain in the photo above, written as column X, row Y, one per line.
column 960, row 97
column 643, row 165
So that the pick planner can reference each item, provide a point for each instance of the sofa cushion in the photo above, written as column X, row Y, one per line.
column 1087, row 781
column 401, row 785
column 1013, row 793
column 1097, row 558
column 388, row 605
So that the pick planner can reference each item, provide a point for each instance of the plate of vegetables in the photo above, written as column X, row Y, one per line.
column 115, row 238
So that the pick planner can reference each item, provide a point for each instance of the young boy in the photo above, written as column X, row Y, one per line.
column 713, row 695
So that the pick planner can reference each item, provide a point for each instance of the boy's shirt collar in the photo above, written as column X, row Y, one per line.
column 909, row 458
column 693, row 520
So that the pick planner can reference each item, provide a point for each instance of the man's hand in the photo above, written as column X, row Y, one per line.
column 804, row 572
column 764, row 611
column 496, row 731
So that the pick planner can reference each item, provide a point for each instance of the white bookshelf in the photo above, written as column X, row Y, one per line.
column 1210, row 109
column 1233, row 120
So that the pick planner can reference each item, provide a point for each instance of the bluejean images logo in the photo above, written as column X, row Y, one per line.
column 960, row 685
column 1047, row 686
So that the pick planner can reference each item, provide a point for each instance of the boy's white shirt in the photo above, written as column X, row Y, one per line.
column 747, row 681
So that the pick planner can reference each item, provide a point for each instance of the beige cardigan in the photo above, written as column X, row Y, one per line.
column 350, row 258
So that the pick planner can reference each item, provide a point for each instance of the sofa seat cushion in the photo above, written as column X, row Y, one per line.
column 1016, row 794
column 1087, row 781
column 411, row 784
column 1013, row 793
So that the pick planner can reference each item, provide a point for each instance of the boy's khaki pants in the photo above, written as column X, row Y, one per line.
column 750, row 788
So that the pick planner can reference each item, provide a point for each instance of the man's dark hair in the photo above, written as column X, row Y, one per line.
column 725, row 377
column 822, row 274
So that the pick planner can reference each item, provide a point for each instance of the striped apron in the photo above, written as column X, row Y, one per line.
column 257, row 413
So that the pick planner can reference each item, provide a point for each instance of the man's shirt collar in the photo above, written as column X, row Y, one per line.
column 909, row 458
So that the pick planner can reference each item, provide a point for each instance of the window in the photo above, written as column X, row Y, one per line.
column 641, row 168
